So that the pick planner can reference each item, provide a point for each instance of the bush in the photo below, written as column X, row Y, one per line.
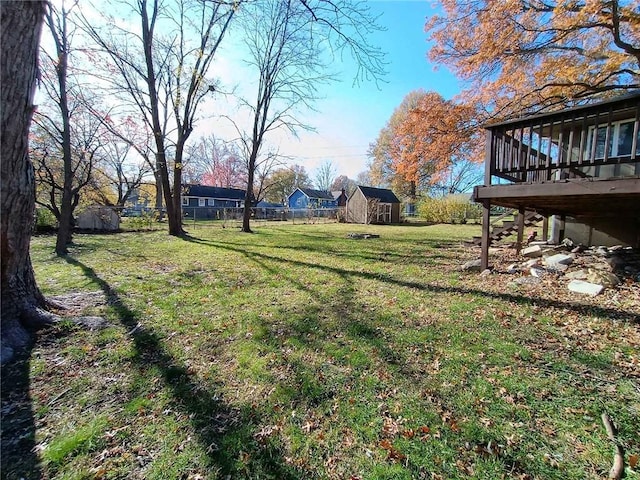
column 448, row 210
column 45, row 220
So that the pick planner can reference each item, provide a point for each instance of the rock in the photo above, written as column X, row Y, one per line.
column 486, row 272
column 513, row 268
column 532, row 252
column 531, row 263
column 568, row 243
column 472, row 266
column 558, row 259
column 576, row 275
column 587, row 288
column 558, row 268
column 578, row 249
column 607, row 279
column 538, row 243
column 537, row 272
column 527, row 281
column 91, row 322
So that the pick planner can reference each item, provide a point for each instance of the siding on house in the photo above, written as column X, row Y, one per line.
column 203, row 201
column 309, row 198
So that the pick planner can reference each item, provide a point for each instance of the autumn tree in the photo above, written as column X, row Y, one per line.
column 325, row 175
column 213, row 162
column 435, row 136
column 283, row 181
column 342, row 182
column 523, row 56
column 382, row 171
column 161, row 68
column 22, row 304
column 428, row 143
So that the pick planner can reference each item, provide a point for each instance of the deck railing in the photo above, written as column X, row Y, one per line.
column 596, row 142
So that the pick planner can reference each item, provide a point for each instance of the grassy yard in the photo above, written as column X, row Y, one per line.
column 297, row 352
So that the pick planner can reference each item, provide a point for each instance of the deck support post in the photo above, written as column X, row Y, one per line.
column 545, row 228
column 561, row 227
column 486, row 234
column 519, row 242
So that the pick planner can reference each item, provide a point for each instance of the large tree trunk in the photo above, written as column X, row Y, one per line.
column 22, row 303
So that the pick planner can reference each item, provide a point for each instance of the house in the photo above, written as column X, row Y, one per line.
column 309, row 198
column 98, row 217
column 580, row 165
column 270, row 211
column 340, row 196
column 205, row 202
column 373, row 205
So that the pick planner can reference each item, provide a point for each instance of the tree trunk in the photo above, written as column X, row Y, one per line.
column 175, row 226
column 22, row 303
column 248, row 198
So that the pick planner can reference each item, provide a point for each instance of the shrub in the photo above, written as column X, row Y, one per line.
column 45, row 220
column 449, row 209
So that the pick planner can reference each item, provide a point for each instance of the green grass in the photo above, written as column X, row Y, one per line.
column 296, row 352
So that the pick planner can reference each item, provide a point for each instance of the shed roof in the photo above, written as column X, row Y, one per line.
column 213, row 192
column 384, row 195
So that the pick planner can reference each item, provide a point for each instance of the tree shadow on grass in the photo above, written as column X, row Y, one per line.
column 581, row 309
column 213, row 421
column 19, row 458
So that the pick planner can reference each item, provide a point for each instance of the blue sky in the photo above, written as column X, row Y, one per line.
column 350, row 116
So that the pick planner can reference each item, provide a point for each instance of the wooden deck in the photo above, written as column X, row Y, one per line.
column 582, row 163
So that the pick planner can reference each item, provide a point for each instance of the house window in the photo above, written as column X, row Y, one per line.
column 620, row 140
column 211, row 202
column 185, row 201
column 201, row 202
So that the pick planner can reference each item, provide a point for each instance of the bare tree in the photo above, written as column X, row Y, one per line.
column 165, row 75
column 286, row 57
column 65, row 122
column 286, row 41
column 23, row 306
column 325, row 175
column 122, row 170
column 65, row 163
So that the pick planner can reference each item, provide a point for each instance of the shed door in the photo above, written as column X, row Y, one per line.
column 384, row 213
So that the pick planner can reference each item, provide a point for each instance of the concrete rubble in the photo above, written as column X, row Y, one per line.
column 584, row 270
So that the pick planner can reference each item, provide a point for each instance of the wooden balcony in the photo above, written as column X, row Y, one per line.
column 582, row 162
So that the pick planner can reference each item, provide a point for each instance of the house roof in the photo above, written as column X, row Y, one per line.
column 630, row 98
column 263, row 204
column 309, row 192
column 384, row 195
column 213, row 192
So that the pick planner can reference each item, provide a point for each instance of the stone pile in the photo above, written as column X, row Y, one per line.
column 587, row 270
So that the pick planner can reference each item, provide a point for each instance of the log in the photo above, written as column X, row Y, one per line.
column 617, row 470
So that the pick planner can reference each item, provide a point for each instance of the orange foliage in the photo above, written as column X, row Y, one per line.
column 431, row 136
column 521, row 56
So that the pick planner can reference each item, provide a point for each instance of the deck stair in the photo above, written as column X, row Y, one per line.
column 501, row 228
